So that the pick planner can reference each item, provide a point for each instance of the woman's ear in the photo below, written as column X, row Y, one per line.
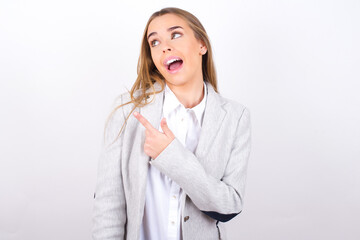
column 203, row 48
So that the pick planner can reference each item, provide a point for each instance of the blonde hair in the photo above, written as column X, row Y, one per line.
column 148, row 74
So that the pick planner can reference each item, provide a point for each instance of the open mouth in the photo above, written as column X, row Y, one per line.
column 173, row 64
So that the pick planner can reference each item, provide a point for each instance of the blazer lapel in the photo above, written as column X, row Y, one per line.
column 152, row 112
column 213, row 117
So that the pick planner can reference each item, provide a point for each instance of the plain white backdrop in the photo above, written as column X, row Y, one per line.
column 294, row 64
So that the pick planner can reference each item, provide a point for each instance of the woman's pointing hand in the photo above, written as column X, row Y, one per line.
column 155, row 141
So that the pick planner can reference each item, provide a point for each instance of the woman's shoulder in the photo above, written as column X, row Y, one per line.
column 233, row 106
column 125, row 97
column 236, row 113
column 126, row 100
column 119, row 110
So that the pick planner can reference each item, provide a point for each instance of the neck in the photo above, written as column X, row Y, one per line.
column 189, row 94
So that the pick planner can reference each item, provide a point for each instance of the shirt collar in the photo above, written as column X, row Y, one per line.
column 171, row 103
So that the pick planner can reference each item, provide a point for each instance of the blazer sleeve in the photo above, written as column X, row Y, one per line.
column 109, row 212
column 221, row 199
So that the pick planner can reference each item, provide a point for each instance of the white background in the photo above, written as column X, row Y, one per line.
column 294, row 64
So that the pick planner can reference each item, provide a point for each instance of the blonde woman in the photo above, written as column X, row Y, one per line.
column 174, row 161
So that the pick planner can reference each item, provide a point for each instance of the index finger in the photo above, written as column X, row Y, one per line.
column 143, row 121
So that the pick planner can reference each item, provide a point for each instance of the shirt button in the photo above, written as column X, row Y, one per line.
column 182, row 119
column 174, row 196
column 172, row 222
column 186, row 218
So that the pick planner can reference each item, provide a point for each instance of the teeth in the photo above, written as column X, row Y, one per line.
column 171, row 61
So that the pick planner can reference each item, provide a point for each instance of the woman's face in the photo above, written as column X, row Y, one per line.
column 175, row 51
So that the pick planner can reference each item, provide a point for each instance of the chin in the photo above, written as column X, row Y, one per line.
column 177, row 80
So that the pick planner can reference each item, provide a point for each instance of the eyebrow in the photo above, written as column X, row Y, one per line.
column 169, row 30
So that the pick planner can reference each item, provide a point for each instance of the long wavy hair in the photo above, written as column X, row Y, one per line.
column 148, row 74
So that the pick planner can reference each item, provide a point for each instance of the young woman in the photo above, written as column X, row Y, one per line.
column 176, row 152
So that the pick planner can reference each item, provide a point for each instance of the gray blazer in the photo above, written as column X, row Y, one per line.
column 213, row 179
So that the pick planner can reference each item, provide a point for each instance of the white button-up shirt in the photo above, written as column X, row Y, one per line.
column 162, row 214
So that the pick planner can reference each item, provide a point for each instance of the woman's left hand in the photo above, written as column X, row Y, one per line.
column 155, row 141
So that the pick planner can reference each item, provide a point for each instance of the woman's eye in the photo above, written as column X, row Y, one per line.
column 154, row 43
column 176, row 35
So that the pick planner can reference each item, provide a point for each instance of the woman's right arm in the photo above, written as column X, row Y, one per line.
column 109, row 213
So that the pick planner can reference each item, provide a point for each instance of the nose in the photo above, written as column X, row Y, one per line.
column 166, row 47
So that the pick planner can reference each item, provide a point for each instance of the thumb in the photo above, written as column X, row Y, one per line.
column 166, row 128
